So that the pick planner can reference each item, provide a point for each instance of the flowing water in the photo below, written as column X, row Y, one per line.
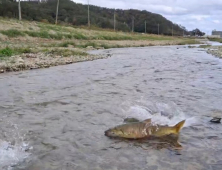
column 54, row 119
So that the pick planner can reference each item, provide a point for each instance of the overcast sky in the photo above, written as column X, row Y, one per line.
column 203, row 14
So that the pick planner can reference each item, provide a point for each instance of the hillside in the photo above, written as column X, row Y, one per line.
column 76, row 15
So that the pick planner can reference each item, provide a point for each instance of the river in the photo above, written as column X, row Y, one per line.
column 54, row 119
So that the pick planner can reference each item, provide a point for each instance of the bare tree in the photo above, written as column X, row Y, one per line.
column 57, row 9
column 19, row 9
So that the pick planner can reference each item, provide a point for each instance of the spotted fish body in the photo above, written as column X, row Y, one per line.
column 143, row 129
column 132, row 130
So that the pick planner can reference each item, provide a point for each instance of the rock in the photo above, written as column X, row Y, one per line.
column 89, row 47
column 30, row 56
column 70, row 46
column 100, row 48
column 215, row 120
column 20, row 60
column 31, row 68
column 46, row 66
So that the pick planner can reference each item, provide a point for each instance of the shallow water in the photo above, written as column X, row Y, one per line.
column 61, row 113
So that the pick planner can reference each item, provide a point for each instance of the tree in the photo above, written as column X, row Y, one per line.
column 196, row 32
column 75, row 13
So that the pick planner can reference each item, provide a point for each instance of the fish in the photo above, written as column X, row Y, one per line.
column 143, row 129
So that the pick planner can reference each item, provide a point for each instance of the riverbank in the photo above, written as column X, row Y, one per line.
column 31, row 45
column 215, row 50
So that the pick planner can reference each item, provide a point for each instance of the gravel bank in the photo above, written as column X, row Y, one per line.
column 40, row 60
column 216, row 51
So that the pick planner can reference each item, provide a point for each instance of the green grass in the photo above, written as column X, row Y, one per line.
column 12, row 33
column 189, row 41
column 58, row 28
column 216, row 39
column 6, row 52
column 64, row 52
column 204, row 46
column 23, row 50
column 106, row 46
column 58, row 35
column 84, row 45
column 44, row 34
column 113, row 37
column 66, row 44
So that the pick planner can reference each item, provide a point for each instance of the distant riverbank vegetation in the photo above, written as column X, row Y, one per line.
column 74, row 14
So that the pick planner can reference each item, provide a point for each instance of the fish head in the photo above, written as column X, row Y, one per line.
column 114, row 132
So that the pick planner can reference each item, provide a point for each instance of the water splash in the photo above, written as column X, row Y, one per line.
column 160, row 113
column 13, row 147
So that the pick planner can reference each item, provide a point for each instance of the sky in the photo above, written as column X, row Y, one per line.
column 203, row 14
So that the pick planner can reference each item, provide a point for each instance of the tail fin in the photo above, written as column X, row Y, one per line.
column 178, row 126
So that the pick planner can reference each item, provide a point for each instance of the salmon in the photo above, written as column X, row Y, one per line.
column 143, row 129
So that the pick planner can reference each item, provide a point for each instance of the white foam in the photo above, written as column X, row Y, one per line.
column 13, row 148
column 160, row 113
column 11, row 155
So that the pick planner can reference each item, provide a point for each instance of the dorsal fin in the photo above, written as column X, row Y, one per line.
column 147, row 120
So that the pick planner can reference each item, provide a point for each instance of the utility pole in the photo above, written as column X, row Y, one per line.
column 114, row 22
column 132, row 24
column 57, row 9
column 172, row 30
column 19, row 8
column 158, row 29
column 88, row 16
column 145, row 26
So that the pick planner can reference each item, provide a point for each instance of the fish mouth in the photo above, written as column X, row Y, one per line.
column 108, row 133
